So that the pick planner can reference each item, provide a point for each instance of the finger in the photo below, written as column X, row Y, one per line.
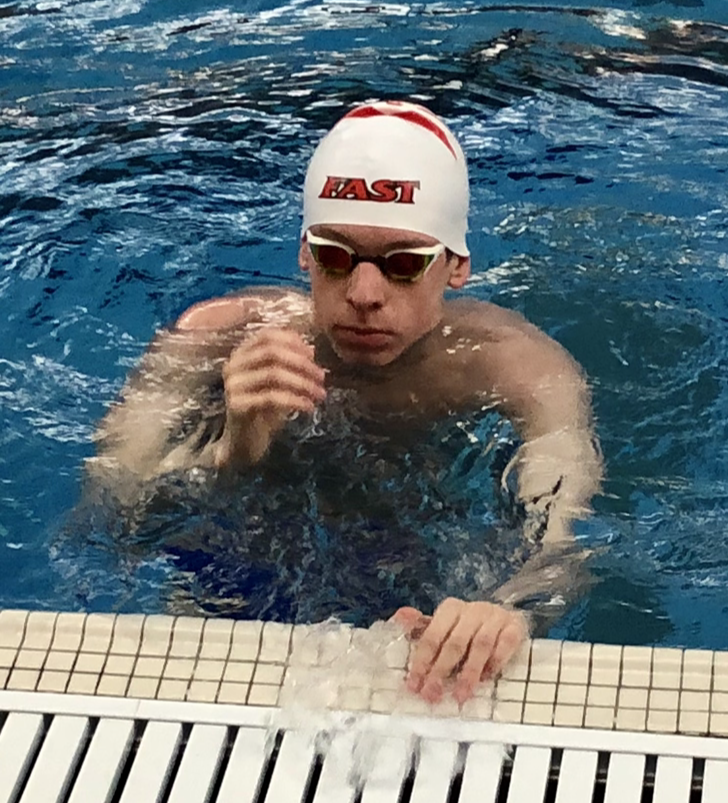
column 254, row 388
column 412, row 621
column 453, row 653
column 280, row 403
column 268, row 356
column 482, row 649
column 428, row 647
column 510, row 638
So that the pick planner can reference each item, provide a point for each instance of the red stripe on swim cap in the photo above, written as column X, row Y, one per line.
column 410, row 115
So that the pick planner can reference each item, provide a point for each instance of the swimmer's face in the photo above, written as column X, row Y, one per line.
column 369, row 318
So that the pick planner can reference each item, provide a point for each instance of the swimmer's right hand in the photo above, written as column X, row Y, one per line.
column 267, row 377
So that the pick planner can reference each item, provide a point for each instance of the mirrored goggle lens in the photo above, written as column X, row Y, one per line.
column 332, row 258
column 404, row 266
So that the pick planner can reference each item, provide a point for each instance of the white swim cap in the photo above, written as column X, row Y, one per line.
column 392, row 164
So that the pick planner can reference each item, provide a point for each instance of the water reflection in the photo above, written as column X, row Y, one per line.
column 136, row 140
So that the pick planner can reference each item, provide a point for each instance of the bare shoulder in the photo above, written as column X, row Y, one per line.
column 470, row 316
column 505, row 342
column 256, row 305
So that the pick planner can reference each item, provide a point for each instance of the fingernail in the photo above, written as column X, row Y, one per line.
column 432, row 692
column 462, row 692
column 414, row 683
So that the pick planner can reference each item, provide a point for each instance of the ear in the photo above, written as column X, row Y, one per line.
column 459, row 272
column 303, row 256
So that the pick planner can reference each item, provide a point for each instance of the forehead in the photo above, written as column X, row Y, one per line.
column 372, row 238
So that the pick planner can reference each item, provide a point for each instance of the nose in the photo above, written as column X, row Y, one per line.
column 367, row 287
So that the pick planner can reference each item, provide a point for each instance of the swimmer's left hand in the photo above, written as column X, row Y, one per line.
column 469, row 641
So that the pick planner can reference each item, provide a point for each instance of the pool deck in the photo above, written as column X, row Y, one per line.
column 550, row 682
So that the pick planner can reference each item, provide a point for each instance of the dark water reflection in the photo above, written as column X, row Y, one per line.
column 152, row 155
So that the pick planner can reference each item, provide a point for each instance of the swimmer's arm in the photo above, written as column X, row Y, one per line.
column 169, row 389
column 542, row 389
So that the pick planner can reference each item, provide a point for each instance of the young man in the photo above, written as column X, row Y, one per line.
column 384, row 223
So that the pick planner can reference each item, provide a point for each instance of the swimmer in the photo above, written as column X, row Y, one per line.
column 385, row 211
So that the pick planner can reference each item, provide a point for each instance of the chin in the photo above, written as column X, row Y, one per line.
column 364, row 356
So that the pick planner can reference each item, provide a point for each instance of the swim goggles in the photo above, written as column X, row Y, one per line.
column 405, row 265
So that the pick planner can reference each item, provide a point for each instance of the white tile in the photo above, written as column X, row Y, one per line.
column 697, row 674
column 53, row 681
column 60, row 661
column 571, row 694
column 238, row 671
column 119, row 664
column 39, row 630
column 268, row 674
column 606, row 665
column 694, row 701
column 7, row 657
column 661, row 721
column 569, row 716
column 235, row 693
column 157, row 635
column 202, row 691
column 507, row 711
column 126, row 635
column 538, row 714
column 82, row 683
column 693, row 722
column 719, row 724
column 23, row 679
column 143, row 687
column 149, row 667
column 246, row 638
column 209, row 670
column 89, row 662
column 664, row 699
column 632, row 698
column 97, row 632
column 112, row 685
column 30, row 659
column 575, row 661
column 179, row 668
column 596, row 717
column 602, row 696
column 631, row 719
column 12, row 628
column 186, row 637
column 510, row 690
column 216, row 639
column 545, row 660
column 275, row 643
column 541, row 693
column 68, row 631
column 263, row 695
column 172, row 689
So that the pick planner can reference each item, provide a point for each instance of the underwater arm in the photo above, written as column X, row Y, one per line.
column 558, row 469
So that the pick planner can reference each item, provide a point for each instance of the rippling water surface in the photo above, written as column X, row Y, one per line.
column 151, row 155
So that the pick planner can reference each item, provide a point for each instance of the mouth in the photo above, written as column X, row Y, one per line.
column 363, row 337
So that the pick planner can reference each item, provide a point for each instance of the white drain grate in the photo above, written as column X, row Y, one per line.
column 65, row 749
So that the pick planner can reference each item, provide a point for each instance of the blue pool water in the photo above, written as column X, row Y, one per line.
column 152, row 155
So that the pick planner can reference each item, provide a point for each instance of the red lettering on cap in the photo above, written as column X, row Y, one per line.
column 408, row 191
column 383, row 190
column 355, row 189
